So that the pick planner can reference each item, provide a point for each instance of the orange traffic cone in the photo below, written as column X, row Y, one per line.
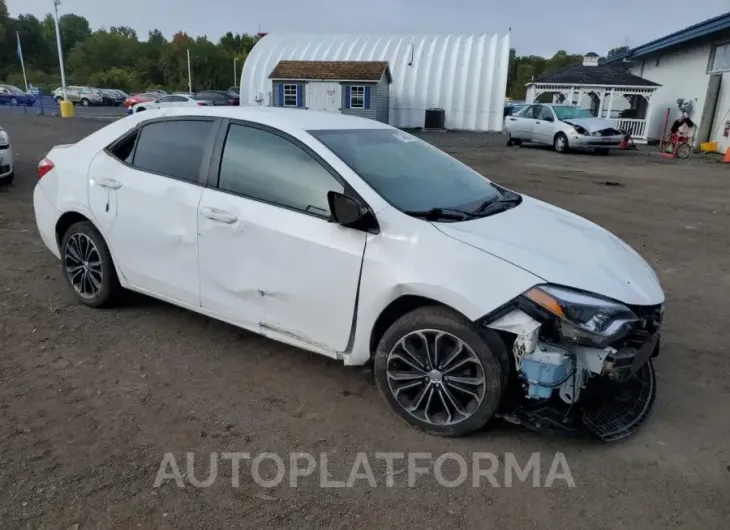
column 624, row 143
column 726, row 158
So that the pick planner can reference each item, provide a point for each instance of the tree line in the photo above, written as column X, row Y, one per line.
column 117, row 58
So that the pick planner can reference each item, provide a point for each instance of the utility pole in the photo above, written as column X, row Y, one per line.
column 56, row 3
column 190, row 76
column 235, row 72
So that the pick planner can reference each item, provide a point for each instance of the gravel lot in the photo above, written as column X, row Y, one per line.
column 91, row 400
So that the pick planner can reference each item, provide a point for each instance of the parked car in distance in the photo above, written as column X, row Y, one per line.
column 234, row 91
column 83, row 96
column 349, row 238
column 173, row 100
column 12, row 95
column 142, row 97
column 513, row 107
column 7, row 171
column 157, row 91
column 111, row 97
column 218, row 97
column 564, row 127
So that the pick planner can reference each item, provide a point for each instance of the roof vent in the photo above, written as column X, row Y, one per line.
column 590, row 59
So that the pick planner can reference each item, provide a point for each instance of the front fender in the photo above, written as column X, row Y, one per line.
column 464, row 278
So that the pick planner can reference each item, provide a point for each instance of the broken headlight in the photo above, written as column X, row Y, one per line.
column 584, row 318
column 580, row 130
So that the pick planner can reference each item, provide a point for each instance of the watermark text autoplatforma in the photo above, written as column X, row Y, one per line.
column 449, row 470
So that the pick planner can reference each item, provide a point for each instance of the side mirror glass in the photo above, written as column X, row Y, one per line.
column 345, row 210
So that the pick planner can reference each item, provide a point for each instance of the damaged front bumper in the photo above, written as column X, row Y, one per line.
column 559, row 384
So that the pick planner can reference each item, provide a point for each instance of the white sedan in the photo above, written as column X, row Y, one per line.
column 351, row 239
column 7, row 172
column 171, row 100
column 564, row 127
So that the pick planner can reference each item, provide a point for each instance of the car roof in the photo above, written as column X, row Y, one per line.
column 280, row 118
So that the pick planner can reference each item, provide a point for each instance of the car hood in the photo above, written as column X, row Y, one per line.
column 592, row 124
column 562, row 248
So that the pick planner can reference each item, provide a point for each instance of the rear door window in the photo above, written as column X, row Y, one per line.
column 173, row 148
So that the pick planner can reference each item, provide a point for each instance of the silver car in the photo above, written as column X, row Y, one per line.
column 80, row 95
column 564, row 127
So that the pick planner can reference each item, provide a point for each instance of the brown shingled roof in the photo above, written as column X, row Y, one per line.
column 331, row 70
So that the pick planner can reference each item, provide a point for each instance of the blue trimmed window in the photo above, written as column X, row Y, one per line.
column 290, row 95
column 357, row 97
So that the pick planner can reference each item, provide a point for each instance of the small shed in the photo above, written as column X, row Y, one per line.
column 608, row 92
column 358, row 88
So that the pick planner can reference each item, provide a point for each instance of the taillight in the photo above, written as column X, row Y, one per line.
column 202, row 104
column 44, row 166
column 231, row 101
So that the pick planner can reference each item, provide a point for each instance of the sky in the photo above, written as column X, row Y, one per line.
column 577, row 27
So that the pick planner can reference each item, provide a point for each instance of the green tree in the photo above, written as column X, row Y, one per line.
column 115, row 78
column 73, row 28
column 617, row 51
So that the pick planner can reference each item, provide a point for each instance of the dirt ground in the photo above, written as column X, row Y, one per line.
column 91, row 400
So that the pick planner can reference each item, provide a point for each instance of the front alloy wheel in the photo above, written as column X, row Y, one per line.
column 560, row 143
column 435, row 377
column 438, row 372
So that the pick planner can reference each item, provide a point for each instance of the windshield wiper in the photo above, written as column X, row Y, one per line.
column 435, row 214
column 486, row 208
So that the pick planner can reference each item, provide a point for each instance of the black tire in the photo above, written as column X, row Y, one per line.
column 514, row 142
column 110, row 289
column 85, row 102
column 560, row 143
column 484, row 346
column 14, row 102
column 7, row 179
column 601, row 151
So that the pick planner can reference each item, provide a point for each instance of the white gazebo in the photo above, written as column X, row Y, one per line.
column 608, row 92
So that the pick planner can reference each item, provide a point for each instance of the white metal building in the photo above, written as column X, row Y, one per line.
column 466, row 75
column 694, row 65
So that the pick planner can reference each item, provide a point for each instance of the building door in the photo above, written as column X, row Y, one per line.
column 324, row 96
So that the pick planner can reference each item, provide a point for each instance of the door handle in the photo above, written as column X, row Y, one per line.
column 215, row 214
column 537, row 123
column 513, row 119
column 109, row 183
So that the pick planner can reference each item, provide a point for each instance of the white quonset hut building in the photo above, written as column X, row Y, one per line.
column 466, row 75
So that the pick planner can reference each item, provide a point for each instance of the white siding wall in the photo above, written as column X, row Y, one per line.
column 466, row 75
column 682, row 74
column 722, row 114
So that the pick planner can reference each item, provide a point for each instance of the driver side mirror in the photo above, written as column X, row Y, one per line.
column 548, row 118
column 350, row 212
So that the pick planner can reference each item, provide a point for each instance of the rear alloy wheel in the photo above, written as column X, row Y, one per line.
column 560, row 143
column 513, row 141
column 438, row 373
column 88, row 266
column 85, row 102
column 14, row 102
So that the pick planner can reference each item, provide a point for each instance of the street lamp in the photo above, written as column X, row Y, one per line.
column 235, row 72
column 56, row 3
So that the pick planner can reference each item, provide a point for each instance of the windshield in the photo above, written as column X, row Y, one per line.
column 409, row 173
column 571, row 113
